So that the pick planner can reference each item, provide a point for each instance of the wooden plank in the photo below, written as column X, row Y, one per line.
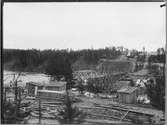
column 107, row 116
column 124, row 109
column 124, row 115
column 105, row 121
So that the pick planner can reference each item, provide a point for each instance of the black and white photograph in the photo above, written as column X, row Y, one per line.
column 88, row 63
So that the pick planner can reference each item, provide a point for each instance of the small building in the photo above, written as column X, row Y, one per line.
column 50, row 95
column 33, row 87
column 55, row 86
column 127, row 95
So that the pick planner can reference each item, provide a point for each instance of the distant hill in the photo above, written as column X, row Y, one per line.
column 116, row 66
column 81, row 64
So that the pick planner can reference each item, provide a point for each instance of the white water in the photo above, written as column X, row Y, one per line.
column 24, row 78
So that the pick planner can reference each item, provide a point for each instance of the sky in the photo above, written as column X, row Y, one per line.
column 84, row 25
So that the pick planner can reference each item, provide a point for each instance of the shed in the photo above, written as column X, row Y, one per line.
column 50, row 95
column 127, row 95
column 56, row 86
column 33, row 87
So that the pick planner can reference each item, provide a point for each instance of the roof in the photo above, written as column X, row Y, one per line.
column 84, row 71
column 124, row 82
column 36, row 83
column 121, row 84
column 51, row 91
column 143, row 72
column 56, row 83
column 127, row 90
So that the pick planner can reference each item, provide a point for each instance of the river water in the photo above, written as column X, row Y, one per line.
column 24, row 78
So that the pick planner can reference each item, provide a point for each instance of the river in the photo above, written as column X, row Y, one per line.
column 24, row 78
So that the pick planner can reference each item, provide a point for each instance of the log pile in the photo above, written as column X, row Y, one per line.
column 98, row 111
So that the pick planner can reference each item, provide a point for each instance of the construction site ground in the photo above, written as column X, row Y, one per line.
column 98, row 108
column 91, row 102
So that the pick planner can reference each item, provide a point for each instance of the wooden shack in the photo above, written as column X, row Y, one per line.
column 127, row 95
column 33, row 87
column 50, row 95
column 55, row 86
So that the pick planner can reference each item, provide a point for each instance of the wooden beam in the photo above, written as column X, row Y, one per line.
column 124, row 115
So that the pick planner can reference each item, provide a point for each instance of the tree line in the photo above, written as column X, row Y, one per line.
column 33, row 60
column 159, row 57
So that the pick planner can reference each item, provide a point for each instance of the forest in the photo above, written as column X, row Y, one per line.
column 33, row 60
column 157, row 59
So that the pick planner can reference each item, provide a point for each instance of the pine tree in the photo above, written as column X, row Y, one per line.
column 70, row 114
column 156, row 91
column 58, row 68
